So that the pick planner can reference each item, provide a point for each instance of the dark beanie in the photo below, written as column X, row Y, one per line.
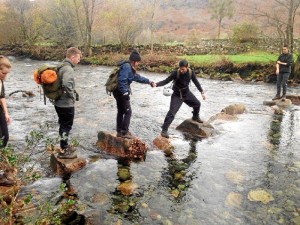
column 183, row 63
column 135, row 56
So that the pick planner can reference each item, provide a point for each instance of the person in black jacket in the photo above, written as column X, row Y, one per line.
column 126, row 75
column 283, row 71
column 182, row 93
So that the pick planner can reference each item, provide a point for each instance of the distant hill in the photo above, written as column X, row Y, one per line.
column 183, row 17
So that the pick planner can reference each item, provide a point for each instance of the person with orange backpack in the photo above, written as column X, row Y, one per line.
column 64, row 105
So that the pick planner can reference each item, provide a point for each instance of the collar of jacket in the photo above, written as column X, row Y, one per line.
column 69, row 61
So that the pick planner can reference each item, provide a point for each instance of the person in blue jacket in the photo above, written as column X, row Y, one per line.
column 127, row 74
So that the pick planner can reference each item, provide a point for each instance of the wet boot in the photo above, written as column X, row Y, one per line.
column 128, row 135
column 283, row 97
column 276, row 97
column 197, row 119
column 164, row 133
column 69, row 153
column 6, row 181
column 119, row 134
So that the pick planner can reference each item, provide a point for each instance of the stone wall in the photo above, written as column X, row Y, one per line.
column 205, row 46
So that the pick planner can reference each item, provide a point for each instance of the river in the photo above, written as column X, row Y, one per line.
column 204, row 182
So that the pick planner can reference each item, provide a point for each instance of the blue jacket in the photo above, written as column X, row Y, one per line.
column 127, row 75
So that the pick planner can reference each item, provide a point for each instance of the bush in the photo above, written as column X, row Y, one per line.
column 245, row 32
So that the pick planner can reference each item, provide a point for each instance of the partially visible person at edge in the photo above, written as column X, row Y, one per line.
column 5, row 67
column 127, row 74
column 181, row 94
column 283, row 71
column 64, row 106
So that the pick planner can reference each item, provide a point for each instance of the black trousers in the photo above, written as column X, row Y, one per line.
column 65, row 120
column 175, row 105
column 124, row 111
column 4, row 136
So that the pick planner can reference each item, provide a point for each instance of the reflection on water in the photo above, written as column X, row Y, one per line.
column 204, row 182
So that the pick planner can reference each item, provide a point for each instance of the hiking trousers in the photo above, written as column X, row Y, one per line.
column 4, row 136
column 282, row 79
column 65, row 120
column 124, row 111
column 175, row 104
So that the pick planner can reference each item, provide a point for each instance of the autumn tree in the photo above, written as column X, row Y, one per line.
column 220, row 9
column 19, row 22
column 123, row 20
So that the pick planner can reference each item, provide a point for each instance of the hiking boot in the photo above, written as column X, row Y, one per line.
column 283, row 97
column 6, row 181
column 67, row 155
column 119, row 134
column 276, row 97
column 128, row 135
column 164, row 133
column 197, row 119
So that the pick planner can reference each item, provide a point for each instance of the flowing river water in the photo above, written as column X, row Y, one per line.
column 210, row 181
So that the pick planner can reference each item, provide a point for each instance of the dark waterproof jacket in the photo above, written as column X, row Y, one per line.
column 126, row 75
column 2, row 93
column 286, row 58
column 181, row 84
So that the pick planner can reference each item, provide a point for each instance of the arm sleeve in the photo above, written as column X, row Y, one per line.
column 290, row 60
column 69, row 83
column 140, row 79
column 196, row 82
column 171, row 77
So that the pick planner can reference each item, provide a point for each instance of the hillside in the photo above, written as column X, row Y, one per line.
column 182, row 17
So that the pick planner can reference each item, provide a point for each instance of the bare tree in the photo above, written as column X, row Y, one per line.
column 150, row 11
column 220, row 9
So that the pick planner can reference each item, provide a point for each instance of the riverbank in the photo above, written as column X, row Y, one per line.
column 160, row 61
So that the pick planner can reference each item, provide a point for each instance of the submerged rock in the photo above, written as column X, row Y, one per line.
column 235, row 177
column 201, row 130
column 260, row 195
column 222, row 116
column 234, row 109
column 234, row 200
column 122, row 147
column 127, row 187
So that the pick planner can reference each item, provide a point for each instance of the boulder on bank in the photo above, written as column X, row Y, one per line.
column 134, row 149
column 195, row 129
column 66, row 166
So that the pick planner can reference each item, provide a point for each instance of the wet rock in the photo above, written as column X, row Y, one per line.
column 260, row 195
column 201, row 130
column 277, row 110
column 66, row 166
column 234, row 109
column 233, row 200
column 163, row 144
column 269, row 103
column 122, row 147
column 123, row 174
column 295, row 99
column 283, row 103
column 175, row 193
column 127, row 188
column 222, row 116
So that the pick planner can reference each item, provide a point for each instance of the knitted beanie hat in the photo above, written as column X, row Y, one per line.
column 135, row 56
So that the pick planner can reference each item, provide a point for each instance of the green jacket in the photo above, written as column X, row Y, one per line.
column 68, row 98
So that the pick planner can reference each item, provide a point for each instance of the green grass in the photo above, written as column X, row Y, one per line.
column 252, row 57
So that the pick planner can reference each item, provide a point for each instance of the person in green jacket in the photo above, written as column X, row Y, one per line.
column 64, row 106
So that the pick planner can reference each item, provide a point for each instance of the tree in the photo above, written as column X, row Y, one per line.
column 20, row 21
column 123, row 20
column 150, row 10
column 220, row 9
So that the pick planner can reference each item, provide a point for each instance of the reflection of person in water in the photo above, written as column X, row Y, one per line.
column 123, row 199
column 177, row 174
